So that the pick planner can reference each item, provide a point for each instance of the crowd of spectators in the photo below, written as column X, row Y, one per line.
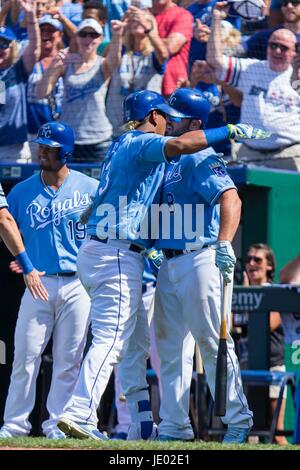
column 78, row 61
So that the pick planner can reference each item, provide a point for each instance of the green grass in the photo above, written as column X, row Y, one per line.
column 43, row 443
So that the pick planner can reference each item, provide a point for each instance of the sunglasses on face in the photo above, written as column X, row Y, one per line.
column 256, row 259
column 275, row 45
column 86, row 34
column 4, row 44
column 284, row 3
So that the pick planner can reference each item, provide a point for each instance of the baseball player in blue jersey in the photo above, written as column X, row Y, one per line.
column 10, row 234
column 110, row 263
column 47, row 207
column 189, row 284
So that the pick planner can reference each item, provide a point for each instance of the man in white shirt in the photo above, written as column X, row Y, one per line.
column 269, row 99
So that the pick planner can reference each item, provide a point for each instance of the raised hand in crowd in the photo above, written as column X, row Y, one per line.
column 28, row 6
column 137, row 14
column 117, row 27
column 202, row 72
column 201, row 31
column 220, row 10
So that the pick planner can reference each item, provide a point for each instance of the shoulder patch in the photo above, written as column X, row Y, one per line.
column 218, row 169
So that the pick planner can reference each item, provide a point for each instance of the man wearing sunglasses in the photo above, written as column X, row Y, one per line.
column 257, row 44
column 269, row 99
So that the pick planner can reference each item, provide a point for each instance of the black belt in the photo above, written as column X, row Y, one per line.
column 64, row 274
column 132, row 247
column 172, row 253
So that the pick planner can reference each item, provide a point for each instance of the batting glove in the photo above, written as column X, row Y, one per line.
column 246, row 132
column 225, row 259
column 155, row 258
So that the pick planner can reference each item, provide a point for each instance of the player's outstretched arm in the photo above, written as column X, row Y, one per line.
column 194, row 141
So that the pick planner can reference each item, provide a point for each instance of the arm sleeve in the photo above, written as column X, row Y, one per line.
column 234, row 71
column 150, row 147
column 210, row 179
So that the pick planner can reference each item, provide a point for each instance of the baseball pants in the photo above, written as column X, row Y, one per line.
column 142, row 348
column 112, row 276
column 66, row 316
column 188, row 298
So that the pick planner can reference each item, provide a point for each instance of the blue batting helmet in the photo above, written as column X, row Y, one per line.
column 58, row 135
column 191, row 103
column 139, row 104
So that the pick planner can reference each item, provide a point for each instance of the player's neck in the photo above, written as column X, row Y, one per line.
column 55, row 178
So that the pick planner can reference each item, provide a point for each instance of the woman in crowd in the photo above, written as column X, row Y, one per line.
column 85, row 76
column 46, row 109
column 141, row 63
column 14, row 73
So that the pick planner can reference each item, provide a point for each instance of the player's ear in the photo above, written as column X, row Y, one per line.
column 195, row 124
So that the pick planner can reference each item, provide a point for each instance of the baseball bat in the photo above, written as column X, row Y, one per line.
column 221, row 369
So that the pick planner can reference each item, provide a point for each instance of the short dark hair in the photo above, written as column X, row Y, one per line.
column 270, row 257
column 97, row 5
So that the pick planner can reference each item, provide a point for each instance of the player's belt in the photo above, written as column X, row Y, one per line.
column 172, row 253
column 66, row 274
column 132, row 247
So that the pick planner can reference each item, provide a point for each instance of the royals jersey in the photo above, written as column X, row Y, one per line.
column 189, row 203
column 49, row 220
column 131, row 175
column 3, row 202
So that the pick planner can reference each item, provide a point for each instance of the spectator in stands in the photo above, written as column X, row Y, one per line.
column 260, row 271
column 14, row 73
column 175, row 27
column 143, row 56
column 85, row 78
column 49, row 108
column 96, row 10
column 269, row 101
column 257, row 45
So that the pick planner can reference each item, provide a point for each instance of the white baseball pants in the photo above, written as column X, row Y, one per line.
column 188, row 297
column 112, row 276
column 66, row 316
column 139, row 353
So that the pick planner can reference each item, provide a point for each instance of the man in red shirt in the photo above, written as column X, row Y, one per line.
column 175, row 27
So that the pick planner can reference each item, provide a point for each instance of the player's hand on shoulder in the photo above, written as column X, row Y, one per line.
column 155, row 258
column 35, row 285
column 225, row 259
column 246, row 132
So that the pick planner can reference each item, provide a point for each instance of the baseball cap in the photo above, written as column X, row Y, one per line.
column 48, row 19
column 7, row 33
column 90, row 23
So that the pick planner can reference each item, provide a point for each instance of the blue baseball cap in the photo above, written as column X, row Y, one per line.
column 7, row 33
column 48, row 19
